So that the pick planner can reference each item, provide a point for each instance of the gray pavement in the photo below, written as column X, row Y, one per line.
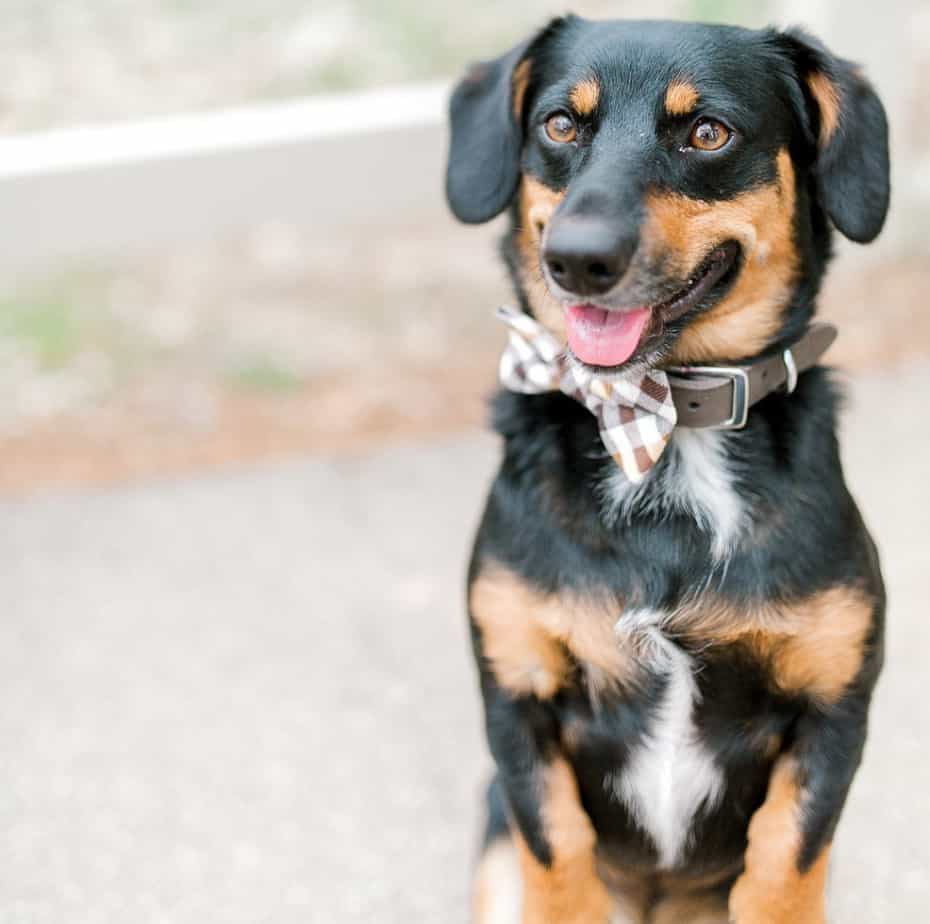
column 247, row 697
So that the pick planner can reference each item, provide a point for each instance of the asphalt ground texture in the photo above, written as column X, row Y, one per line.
column 248, row 696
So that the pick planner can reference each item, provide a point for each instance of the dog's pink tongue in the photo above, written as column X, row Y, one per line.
column 604, row 338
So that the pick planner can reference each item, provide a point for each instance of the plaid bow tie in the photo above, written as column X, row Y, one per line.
column 635, row 415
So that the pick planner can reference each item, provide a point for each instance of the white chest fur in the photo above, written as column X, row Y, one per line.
column 695, row 477
column 671, row 775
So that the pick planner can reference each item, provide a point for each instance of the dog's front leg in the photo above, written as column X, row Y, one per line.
column 523, row 666
column 789, row 836
column 553, row 834
column 561, row 885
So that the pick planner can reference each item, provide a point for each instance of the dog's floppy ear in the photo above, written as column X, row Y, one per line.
column 487, row 135
column 848, row 125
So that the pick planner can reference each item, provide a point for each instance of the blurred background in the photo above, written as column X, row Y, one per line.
column 244, row 355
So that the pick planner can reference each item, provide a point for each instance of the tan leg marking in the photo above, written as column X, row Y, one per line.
column 827, row 96
column 537, row 204
column 585, row 95
column 568, row 891
column 681, row 98
column 682, row 230
column 530, row 637
column 772, row 890
column 497, row 897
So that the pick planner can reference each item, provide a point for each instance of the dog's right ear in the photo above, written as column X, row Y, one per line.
column 844, row 112
column 487, row 134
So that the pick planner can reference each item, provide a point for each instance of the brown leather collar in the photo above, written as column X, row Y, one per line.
column 720, row 396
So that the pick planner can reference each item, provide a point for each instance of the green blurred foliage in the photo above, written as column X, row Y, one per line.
column 47, row 326
column 263, row 374
column 738, row 12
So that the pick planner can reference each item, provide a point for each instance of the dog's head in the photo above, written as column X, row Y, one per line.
column 671, row 185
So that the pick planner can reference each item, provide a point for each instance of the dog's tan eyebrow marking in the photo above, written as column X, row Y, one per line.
column 824, row 91
column 681, row 98
column 585, row 95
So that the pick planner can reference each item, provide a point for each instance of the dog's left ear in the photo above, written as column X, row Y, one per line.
column 487, row 135
column 848, row 125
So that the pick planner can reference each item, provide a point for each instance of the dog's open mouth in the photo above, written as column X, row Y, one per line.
column 712, row 271
column 604, row 338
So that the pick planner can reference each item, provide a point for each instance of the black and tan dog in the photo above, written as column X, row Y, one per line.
column 676, row 673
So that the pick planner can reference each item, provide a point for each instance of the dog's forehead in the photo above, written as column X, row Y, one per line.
column 637, row 61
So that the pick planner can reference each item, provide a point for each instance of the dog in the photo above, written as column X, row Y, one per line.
column 676, row 609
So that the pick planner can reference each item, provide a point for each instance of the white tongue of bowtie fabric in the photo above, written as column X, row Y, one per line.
column 635, row 415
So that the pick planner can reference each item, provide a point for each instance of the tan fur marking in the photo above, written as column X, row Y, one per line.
column 568, row 891
column 524, row 657
column 681, row 98
column 825, row 92
column 497, row 894
column 824, row 654
column 813, row 647
column 537, row 204
column 528, row 636
column 761, row 220
column 772, row 890
column 585, row 95
column 521, row 80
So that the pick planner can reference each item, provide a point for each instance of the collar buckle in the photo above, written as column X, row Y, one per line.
column 739, row 379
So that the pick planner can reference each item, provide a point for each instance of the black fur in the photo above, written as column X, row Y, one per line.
column 484, row 150
column 853, row 173
column 811, row 538
column 545, row 519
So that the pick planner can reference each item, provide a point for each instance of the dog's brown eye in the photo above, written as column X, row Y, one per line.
column 561, row 128
column 709, row 135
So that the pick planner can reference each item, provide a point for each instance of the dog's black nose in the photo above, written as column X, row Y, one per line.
column 587, row 257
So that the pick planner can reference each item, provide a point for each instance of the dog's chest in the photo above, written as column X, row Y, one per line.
column 670, row 775
column 696, row 477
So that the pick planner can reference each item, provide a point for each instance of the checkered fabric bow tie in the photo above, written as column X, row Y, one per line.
column 635, row 415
